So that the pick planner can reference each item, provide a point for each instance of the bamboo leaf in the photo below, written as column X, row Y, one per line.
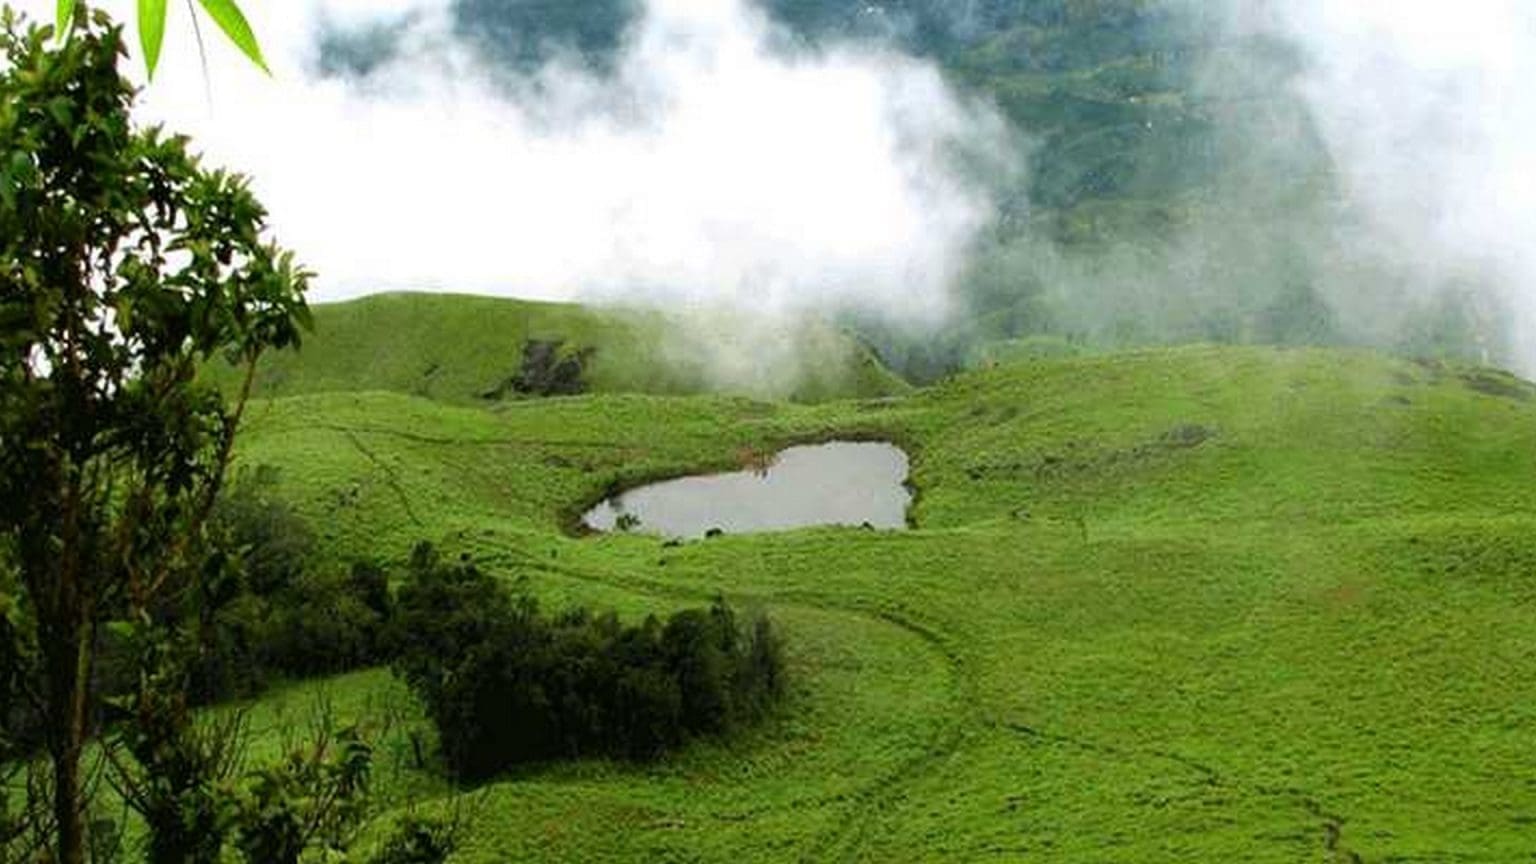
column 66, row 17
column 232, row 21
column 151, row 32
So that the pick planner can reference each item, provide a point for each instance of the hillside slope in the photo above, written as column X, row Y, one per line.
column 464, row 349
column 1189, row 605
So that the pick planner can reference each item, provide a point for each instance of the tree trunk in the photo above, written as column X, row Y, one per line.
column 68, row 675
column 68, row 811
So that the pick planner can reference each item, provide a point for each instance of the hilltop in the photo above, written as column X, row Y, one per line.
column 468, row 350
column 1190, row 604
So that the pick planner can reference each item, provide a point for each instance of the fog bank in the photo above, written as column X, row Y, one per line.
column 706, row 169
column 1429, row 117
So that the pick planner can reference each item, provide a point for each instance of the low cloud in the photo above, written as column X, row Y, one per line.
column 706, row 168
column 1428, row 116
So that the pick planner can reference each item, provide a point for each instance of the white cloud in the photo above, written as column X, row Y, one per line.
column 712, row 170
column 1428, row 111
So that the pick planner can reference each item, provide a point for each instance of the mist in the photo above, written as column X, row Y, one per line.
column 1370, row 183
column 1427, row 113
column 1362, row 175
column 706, row 168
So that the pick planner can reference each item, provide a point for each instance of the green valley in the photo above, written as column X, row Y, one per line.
column 1189, row 604
column 1175, row 355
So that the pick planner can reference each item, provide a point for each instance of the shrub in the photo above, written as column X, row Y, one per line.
column 310, row 802
column 20, row 725
column 549, row 368
column 320, row 625
column 262, row 605
column 505, row 684
column 272, row 541
column 280, row 612
column 418, row 840
column 552, row 368
column 368, row 581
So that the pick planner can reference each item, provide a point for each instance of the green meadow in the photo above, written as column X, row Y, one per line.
column 463, row 349
column 1192, row 604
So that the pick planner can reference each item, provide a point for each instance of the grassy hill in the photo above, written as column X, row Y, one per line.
column 463, row 349
column 1201, row 604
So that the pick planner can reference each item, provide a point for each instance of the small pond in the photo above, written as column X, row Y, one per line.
column 839, row 483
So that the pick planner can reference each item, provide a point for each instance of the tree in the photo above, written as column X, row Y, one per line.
column 124, row 266
column 506, row 685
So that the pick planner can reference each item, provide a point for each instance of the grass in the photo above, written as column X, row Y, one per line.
column 457, row 349
column 1183, row 605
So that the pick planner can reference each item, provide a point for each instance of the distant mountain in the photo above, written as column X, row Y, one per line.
column 1177, row 189
column 1102, row 88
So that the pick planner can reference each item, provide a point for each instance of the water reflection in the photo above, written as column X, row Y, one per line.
column 839, row 483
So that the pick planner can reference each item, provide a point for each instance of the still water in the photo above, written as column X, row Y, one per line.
column 839, row 483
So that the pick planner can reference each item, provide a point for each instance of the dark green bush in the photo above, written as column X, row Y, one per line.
column 505, row 684
column 268, row 608
column 368, row 581
column 319, row 625
column 273, row 542
column 418, row 840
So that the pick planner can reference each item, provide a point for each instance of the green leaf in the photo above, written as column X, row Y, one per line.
column 232, row 21
column 151, row 32
column 58, row 109
column 66, row 16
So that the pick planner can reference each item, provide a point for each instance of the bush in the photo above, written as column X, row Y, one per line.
column 418, row 840
column 259, row 606
column 267, row 608
column 320, row 625
column 550, row 368
column 505, row 684
column 273, row 542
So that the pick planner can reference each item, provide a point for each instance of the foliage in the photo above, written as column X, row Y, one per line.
column 260, row 549
column 185, row 784
column 225, row 13
column 181, row 770
column 274, row 544
column 321, row 625
column 125, row 266
column 1297, row 316
column 506, row 685
column 276, row 608
column 552, row 368
column 19, row 722
column 312, row 799
column 418, row 840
